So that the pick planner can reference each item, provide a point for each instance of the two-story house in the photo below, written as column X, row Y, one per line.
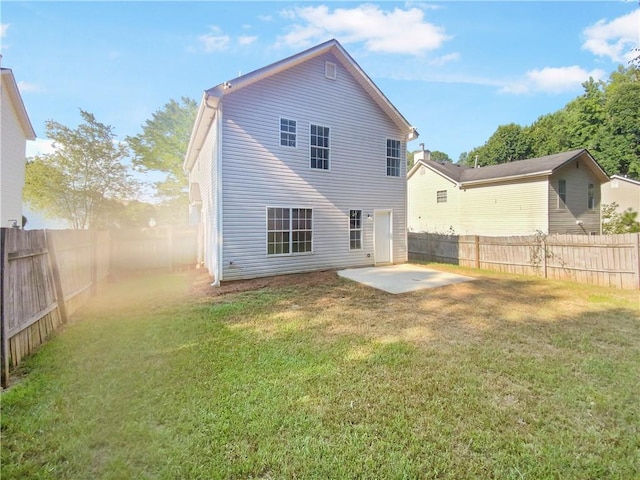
column 16, row 130
column 299, row 166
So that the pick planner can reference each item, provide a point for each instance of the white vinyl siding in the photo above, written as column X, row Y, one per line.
column 425, row 214
column 205, row 174
column 12, row 167
column 258, row 172
column 623, row 191
column 482, row 210
column 492, row 210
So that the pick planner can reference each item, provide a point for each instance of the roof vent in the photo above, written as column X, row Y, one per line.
column 330, row 70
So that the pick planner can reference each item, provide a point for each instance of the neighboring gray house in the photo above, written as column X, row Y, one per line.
column 553, row 194
column 299, row 166
column 16, row 129
column 624, row 191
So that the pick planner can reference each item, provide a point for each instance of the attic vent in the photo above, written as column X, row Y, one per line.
column 330, row 70
column 423, row 170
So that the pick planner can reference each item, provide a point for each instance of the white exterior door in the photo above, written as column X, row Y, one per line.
column 382, row 236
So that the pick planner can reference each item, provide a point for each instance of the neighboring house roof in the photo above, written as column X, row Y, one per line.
column 16, row 100
column 212, row 96
column 629, row 180
column 463, row 175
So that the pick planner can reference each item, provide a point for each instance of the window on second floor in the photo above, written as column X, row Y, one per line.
column 393, row 158
column 591, row 196
column 287, row 132
column 562, row 194
column 319, row 143
column 441, row 196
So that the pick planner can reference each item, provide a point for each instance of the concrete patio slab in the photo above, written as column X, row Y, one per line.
column 402, row 278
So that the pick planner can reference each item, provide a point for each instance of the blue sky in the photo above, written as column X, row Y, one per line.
column 456, row 70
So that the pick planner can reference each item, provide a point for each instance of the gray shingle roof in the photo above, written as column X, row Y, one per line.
column 532, row 166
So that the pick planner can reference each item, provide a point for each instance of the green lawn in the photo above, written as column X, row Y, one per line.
column 319, row 377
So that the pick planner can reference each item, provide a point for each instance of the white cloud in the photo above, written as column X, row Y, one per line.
column 614, row 39
column 440, row 61
column 247, row 39
column 552, row 80
column 392, row 31
column 215, row 41
column 28, row 87
column 3, row 29
column 40, row 146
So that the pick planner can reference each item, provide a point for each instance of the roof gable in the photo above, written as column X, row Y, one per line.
column 212, row 97
column 341, row 55
column 9, row 83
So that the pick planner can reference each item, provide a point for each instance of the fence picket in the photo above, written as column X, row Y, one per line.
column 605, row 260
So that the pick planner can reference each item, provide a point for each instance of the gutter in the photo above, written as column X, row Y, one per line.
column 505, row 179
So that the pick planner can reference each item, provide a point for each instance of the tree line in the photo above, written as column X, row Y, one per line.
column 605, row 119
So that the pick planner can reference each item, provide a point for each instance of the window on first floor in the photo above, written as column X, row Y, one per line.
column 591, row 196
column 562, row 193
column 393, row 158
column 441, row 196
column 289, row 230
column 355, row 229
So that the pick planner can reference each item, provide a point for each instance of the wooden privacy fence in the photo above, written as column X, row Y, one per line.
column 603, row 260
column 171, row 247
column 47, row 275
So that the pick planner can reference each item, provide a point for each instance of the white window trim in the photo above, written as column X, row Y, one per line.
column 330, row 67
column 446, row 196
column 386, row 158
column 361, row 229
column 317, row 124
column 291, row 253
column 280, row 132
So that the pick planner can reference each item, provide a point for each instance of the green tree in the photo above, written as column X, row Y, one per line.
column 78, row 182
column 508, row 143
column 410, row 160
column 605, row 119
column 619, row 222
column 161, row 147
column 438, row 156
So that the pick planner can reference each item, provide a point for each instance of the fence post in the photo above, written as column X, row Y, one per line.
column 544, row 257
column 637, row 265
column 57, row 281
column 4, row 344
column 94, row 263
column 477, row 242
